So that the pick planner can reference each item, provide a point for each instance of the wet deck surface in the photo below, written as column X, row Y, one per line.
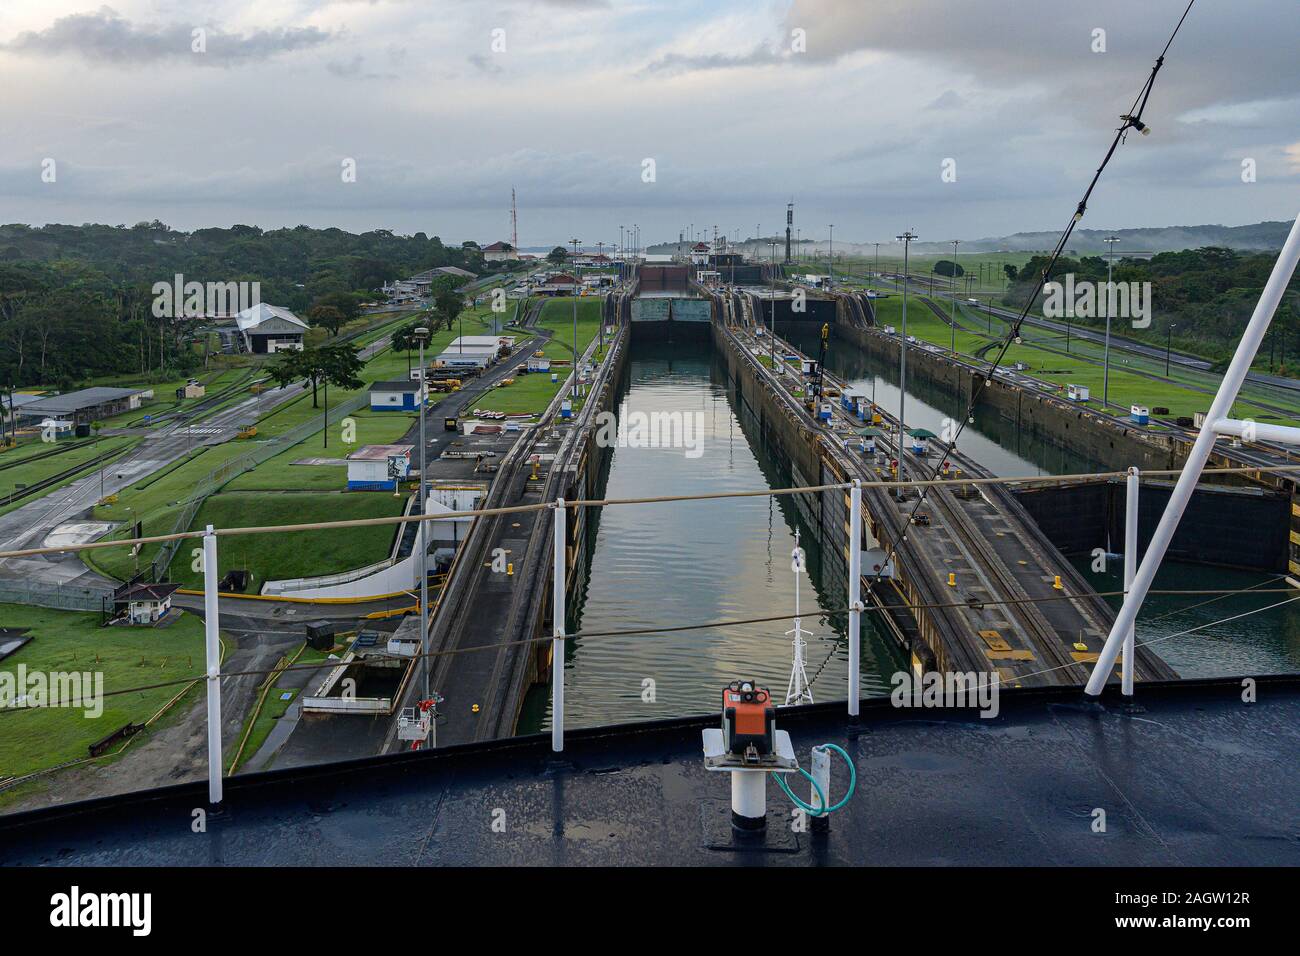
column 1192, row 777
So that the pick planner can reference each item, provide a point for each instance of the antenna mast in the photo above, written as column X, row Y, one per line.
column 798, row 691
column 514, row 223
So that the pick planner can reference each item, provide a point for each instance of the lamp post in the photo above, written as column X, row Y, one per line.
column 1169, row 338
column 907, row 238
column 830, row 259
column 1105, row 352
column 953, row 292
column 421, row 335
column 576, row 289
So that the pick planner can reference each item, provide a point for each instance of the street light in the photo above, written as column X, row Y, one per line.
column 953, row 292
column 577, row 277
column 830, row 259
column 421, row 335
column 1105, row 352
column 907, row 238
column 1169, row 338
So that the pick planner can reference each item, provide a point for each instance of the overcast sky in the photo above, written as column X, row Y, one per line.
column 850, row 108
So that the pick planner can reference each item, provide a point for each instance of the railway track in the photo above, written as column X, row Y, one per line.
column 469, row 613
column 1052, row 633
column 58, row 450
column 1272, row 454
column 54, row 481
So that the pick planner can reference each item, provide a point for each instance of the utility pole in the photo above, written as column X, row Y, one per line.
column 877, row 270
column 953, row 293
column 789, row 223
column 576, row 289
column 906, row 238
column 830, row 260
column 1169, row 338
column 421, row 335
column 1105, row 352
column 514, row 223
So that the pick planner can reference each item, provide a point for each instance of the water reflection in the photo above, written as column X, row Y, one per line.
column 684, row 563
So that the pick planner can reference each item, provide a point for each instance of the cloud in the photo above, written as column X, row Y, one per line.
column 484, row 64
column 671, row 63
column 949, row 100
column 107, row 37
column 1008, row 43
column 354, row 69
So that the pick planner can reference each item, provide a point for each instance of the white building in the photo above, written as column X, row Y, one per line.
column 269, row 329
column 378, row 467
column 478, row 358
column 395, row 396
column 498, row 252
column 481, row 342
column 145, row 603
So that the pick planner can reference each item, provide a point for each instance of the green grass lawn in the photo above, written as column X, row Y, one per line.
column 1251, row 395
column 159, row 499
column 73, row 641
column 529, row 393
column 290, row 555
column 29, row 473
column 30, row 447
column 1052, row 368
column 557, row 315
column 280, row 472
column 534, row 391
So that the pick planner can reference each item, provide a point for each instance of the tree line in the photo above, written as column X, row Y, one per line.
column 76, row 302
column 1206, row 295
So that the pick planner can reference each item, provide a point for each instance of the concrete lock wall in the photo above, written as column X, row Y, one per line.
column 692, row 310
column 650, row 310
column 1080, row 433
column 1232, row 527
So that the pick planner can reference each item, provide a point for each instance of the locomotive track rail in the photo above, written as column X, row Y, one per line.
column 1049, row 642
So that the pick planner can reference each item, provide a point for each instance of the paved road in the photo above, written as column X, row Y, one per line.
column 28, row 526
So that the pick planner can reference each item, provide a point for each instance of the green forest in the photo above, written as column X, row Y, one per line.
column 1201, row 299
column 76, row 301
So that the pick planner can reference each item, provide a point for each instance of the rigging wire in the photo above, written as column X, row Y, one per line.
column 1130, row 120
column 680, row 628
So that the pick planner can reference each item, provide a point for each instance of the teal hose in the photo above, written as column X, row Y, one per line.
column 821, row 809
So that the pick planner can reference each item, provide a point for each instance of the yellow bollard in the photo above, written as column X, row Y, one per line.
column 952, row 580
column 1057, row 585
column 510, row 569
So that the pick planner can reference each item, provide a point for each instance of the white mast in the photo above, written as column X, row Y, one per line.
column 798, row 691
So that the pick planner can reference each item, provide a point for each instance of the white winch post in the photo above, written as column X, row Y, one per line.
column 1229, row 388
column 821, row 772
column 1130, row 569
column 211, row 629
column 557, row 640
column 855, row 595
column 749, row 798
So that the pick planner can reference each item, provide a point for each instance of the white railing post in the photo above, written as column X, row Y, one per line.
column 1251, row 338
column 855, row 594
column 211, row 625
column 557, row 640
column 1130, row 569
